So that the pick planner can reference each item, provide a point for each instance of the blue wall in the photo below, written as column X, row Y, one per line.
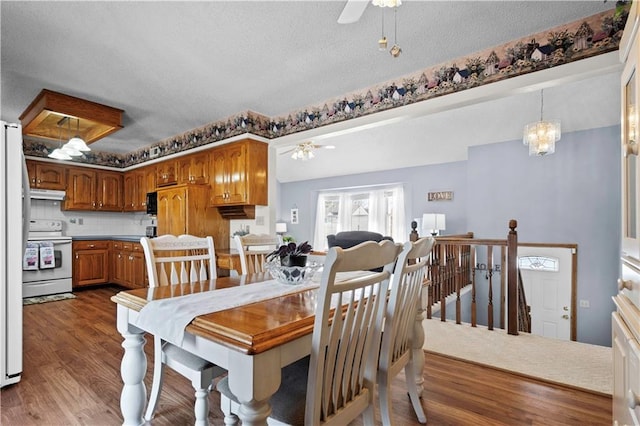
column 572, row 196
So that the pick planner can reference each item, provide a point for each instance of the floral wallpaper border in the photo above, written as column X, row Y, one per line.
column 571, row 42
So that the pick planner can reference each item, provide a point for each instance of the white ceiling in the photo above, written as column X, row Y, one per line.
column 175, row 66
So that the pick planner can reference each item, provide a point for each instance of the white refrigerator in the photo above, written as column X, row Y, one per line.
column 14, row 220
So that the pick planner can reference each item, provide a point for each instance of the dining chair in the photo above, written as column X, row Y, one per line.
column 336, row 383
column 253, row 250
column 180, row 260
column 402, row 307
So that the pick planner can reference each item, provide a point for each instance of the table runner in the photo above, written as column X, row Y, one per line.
column 169, row 317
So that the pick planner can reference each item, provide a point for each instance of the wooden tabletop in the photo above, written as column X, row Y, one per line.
column 250, row 329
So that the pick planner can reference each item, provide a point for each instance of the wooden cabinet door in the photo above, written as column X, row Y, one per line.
column 90, row 264
column 172, row 211
column 81, row 190
column 137, row 275
column 50, row 176
column 149, row 182
column 193, row 169
column 46, row 175
column 110, row 191
column 131, row 191
column 118, row 267
column 235, row 158
column 219, row 177
column 166, row 173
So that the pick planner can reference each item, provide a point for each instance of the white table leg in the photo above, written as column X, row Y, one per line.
column 132, row 371
column 418, row 342
column 253, row 379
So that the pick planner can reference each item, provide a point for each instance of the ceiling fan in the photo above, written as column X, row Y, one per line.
column 304, row 151
column 354, row 9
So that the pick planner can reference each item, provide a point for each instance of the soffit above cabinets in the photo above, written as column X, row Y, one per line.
column 42, row 117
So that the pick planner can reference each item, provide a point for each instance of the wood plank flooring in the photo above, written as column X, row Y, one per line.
column 71, row 376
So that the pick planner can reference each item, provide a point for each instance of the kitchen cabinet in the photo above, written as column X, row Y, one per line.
column 194, row 168
column 239, row 173
column 136, row 185
column 625, row 324
column 91, row 189
column 90, row 263
column 46, row 175
column 167, row 173
column 184, row 209
column 128, row 265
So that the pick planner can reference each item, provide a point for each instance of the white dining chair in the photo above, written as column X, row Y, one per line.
column 396, row 350
column 180, row 260
column 336, row 383
column 253, row 250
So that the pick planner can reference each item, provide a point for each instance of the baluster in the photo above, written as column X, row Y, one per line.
column 458, row 281
column 512, row 282
column 474, row 317
column 442, row 266
column 490, row 277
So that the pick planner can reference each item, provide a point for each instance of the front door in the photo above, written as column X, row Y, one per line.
column 547, row 281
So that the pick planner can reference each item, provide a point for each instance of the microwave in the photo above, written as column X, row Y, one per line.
column 152, row 203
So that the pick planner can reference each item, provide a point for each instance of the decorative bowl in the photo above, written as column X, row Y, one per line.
column 293, row 275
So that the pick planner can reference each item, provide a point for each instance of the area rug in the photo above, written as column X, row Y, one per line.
column 44, row 299
column 573, row 364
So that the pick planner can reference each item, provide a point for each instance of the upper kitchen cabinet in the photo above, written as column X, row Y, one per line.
column 239, row 174
column 90, row 189
column 136, row 185
column 167, row 173
column 194, row 169
column 183, row 209
column 46, row 175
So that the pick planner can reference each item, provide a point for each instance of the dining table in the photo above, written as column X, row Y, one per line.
column 250, row 325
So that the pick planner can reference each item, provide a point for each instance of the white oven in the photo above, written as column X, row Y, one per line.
column 47, row 266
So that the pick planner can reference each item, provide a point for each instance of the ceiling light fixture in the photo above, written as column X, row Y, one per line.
column 542, row 135
column 76, row 142
column 395, row 50
column 303, row 151
column 60, row 153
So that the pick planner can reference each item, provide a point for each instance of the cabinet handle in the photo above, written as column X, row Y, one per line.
column 633, row 399
column 77, row 257
column 101, row 204
column 91, row 246
column 39, row 180
column 93, row 204
column 622, row 284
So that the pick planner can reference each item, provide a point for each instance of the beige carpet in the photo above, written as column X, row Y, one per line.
column 570, row 363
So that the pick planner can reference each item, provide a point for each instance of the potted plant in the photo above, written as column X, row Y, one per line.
column 291, row 254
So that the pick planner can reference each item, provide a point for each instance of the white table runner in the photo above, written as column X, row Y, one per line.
column 169, row 317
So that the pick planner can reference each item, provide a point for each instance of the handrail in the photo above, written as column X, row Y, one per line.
column 453, row 266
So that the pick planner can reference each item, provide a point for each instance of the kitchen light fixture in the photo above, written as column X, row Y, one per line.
column 76, row 142
column 60, row 153
column 433, row 223
column 303, row 152
column 542, row 135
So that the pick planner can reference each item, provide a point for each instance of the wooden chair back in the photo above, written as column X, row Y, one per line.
column 402, row 307
column 253, row 250
column 345, row 342
column 179, row 260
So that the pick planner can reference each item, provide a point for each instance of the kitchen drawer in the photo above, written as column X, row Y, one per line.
column 629, row 283
column 90, row 245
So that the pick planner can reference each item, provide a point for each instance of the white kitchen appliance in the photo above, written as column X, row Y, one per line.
column 14, row 218
column 51, row 271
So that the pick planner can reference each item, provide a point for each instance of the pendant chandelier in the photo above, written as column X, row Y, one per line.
column 74, row 147
column 541, row 136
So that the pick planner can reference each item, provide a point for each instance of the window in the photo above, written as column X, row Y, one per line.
column 379, row 209
column 538, row 263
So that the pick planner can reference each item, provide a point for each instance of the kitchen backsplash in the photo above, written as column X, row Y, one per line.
column 78, row 223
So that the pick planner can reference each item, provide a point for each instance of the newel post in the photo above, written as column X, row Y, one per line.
column 512, row 278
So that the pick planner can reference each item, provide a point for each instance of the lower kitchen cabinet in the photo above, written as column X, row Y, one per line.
column 127, row 265
column 90, row 263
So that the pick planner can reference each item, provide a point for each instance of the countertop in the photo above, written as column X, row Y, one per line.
column 132, row 238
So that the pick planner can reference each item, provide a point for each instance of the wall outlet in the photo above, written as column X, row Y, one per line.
column 72, row 220
column 584, row 303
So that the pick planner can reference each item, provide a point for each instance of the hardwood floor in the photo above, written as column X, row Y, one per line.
column 71, row 376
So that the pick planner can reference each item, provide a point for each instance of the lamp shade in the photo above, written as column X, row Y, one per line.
column 433, row 222
column 78, row 144
column 281, row 227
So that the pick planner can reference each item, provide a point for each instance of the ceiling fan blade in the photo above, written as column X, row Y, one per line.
column 352, row 11
column 288, row 151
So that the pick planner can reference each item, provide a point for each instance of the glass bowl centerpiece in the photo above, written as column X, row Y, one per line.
column 288, row 263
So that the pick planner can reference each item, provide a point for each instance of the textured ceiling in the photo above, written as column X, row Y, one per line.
column 175, row 66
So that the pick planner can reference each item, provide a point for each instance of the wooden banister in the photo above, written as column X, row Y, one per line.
column 453, row 266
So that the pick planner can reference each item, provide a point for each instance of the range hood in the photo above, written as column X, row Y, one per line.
column 46, row 194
